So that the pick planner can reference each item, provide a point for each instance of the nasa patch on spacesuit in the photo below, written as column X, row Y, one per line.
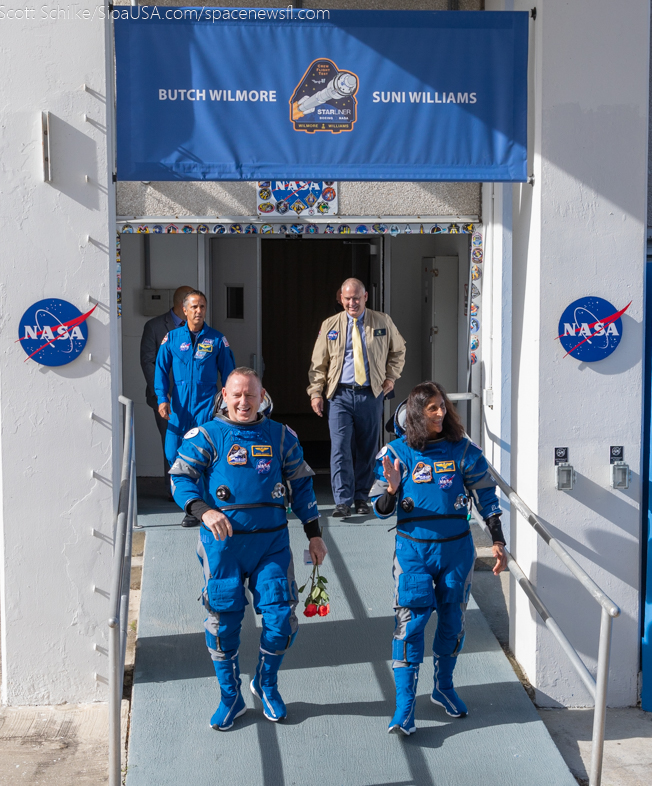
column 237, row 456
column 192, row 433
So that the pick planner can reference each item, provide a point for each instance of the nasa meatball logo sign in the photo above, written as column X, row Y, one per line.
column 53, row 332
column 590, row 329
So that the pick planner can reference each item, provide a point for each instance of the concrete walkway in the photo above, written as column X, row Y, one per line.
column 336, row 680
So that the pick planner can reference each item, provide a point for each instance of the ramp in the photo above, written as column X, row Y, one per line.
column 336, row 681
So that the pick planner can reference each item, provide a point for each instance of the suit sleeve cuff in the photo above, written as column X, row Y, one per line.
column 495, row 529
column 312, row 529
column 197, row 508
column 385, row 505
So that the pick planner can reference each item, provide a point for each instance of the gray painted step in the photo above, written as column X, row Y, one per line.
column 336, row 681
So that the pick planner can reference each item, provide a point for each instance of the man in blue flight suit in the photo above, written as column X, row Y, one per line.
column 236, row 473
column 425, row 477
column 195, row 353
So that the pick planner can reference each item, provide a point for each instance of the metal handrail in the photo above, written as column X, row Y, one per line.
column 597, row 686
column 120, row 581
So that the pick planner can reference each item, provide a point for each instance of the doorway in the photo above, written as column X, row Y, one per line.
column 270, row 296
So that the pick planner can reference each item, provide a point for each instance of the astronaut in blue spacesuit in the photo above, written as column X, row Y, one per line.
column 426, row 477
column 195, row 353
column 237, row 474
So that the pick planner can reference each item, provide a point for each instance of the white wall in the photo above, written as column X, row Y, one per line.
column 51, row 618
column 173, row 262
column 580, row 230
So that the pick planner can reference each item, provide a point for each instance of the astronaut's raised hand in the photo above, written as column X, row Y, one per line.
column 318, row 550
column 392, row 473
column 218, row 524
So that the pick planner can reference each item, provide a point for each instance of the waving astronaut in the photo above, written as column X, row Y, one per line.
column 425, row 477
column 234, row 473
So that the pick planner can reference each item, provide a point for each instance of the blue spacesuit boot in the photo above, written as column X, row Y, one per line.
column 444, row 693
column 406, row 678
column 264, row 686
column 232, row 704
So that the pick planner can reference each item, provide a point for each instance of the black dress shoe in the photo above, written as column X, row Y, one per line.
column 341, row 511
column 189, row 521
column 361, row 507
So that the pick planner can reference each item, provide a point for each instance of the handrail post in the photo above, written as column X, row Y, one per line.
column 599, row 713
column 120, row 580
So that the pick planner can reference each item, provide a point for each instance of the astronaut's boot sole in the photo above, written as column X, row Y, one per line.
column 397, row 728
column 225, row 716
column 268, row 709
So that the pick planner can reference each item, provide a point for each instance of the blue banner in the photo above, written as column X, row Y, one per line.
column 262, row 94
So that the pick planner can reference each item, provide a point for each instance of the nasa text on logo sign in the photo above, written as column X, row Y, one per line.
column 590, row 328
column 53, row 332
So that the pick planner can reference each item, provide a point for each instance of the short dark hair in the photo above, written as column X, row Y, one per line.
column 192, row 292
column 416, row 433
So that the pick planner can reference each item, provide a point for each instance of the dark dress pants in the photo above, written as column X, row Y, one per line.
column 354, row 420
column 162, row 426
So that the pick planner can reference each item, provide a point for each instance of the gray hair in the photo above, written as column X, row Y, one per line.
column 192, row 293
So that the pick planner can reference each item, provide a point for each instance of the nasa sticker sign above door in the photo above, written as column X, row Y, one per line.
column 53, row 332
column 590, row 328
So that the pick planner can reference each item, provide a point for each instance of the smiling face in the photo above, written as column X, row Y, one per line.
column 434, row 413
column 243, row 395
column 195, row 310
column 354, row 299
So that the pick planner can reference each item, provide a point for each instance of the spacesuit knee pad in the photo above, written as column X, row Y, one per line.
column 276, row 644
column 408, row 650
column 224, row 647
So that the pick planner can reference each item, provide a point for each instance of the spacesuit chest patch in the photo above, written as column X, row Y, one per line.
column 446, row 481
column 444, row 466
column 205, row 346
column 332, row 335
column 237, row 456
column 422, row 473
column 263, row 466
column 184, row 347
column 261, row 451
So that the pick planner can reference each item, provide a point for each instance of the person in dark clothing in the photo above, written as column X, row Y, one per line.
column 154, row 332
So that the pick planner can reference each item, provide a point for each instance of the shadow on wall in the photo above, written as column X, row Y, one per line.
column 625, row 357
column 97, row 347
column 74, row 157
column 186, row 198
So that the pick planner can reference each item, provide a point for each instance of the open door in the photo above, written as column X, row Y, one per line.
column 235, row 272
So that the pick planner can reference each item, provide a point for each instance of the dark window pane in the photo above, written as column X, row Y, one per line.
column 235, row 302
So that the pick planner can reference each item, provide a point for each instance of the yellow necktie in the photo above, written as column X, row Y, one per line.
column 358, row 358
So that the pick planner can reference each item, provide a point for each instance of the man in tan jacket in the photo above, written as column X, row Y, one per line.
column 358, row 356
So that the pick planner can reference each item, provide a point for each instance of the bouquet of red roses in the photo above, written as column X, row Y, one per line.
column 317, row 600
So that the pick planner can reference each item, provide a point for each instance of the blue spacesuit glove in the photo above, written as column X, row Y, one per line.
column 196, row 454
column 162, row 372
